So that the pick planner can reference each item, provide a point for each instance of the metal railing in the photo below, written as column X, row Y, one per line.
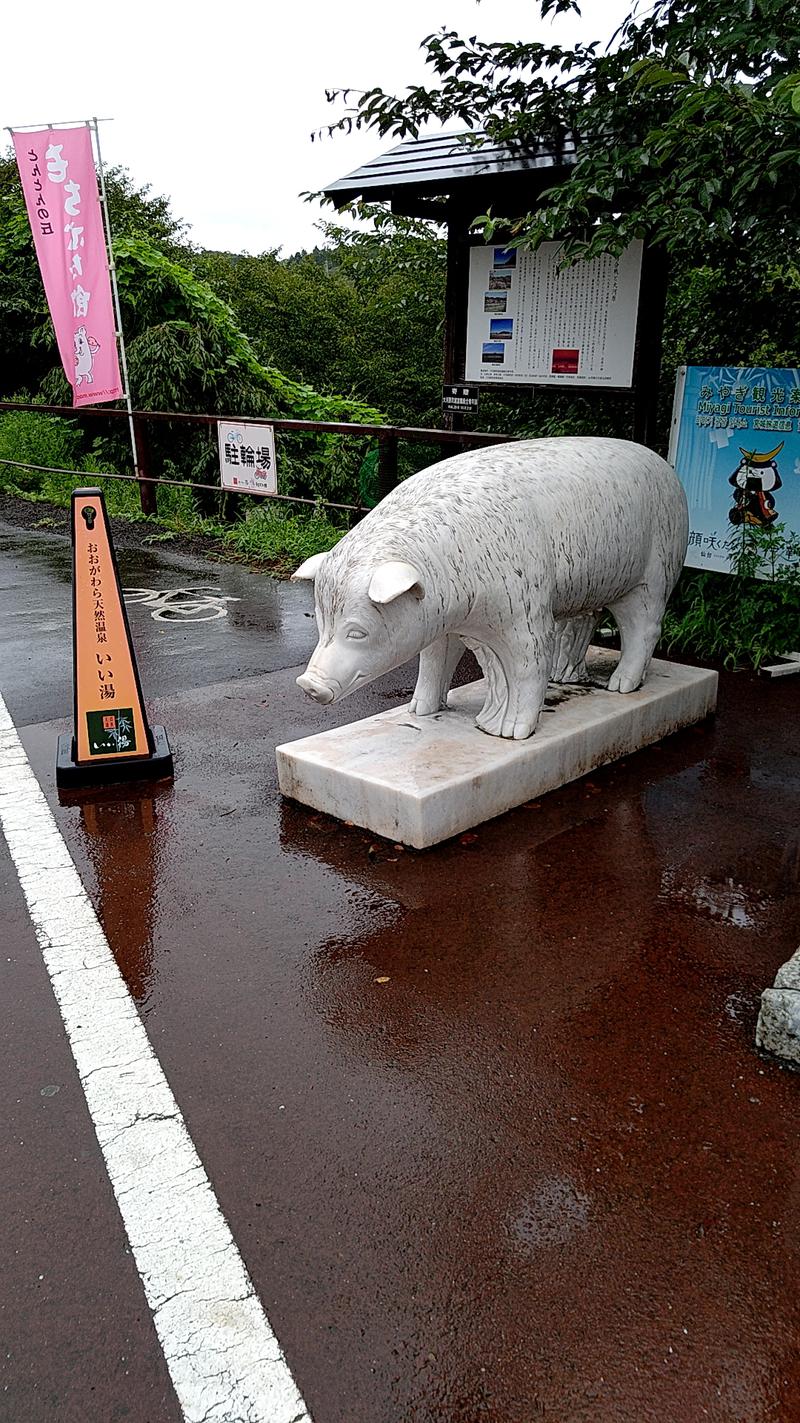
column 387, row 437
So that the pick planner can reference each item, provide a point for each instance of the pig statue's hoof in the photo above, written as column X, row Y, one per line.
column 425, row 706
column 498, row 723
column 520, row 730
column 621, row 683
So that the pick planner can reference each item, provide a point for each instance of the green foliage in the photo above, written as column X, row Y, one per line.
column 39, row 439
column 396, row 269
column 35, row 439
column 746, row 617
column 186, row 351
column 363, row 314
column 731, row 314
column 185, row 344
column 687, row 126
column 298, row 314
column 269, row 533
column 135, row 213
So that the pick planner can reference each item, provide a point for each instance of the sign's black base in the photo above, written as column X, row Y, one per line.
column 71, row 775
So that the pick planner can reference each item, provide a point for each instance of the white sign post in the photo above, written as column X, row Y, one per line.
column 532, row 322
column 247, row 457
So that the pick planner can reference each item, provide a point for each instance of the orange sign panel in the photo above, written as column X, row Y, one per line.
column 110, row 720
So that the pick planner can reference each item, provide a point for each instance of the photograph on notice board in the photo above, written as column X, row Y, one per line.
column 495, row 301
column 501, row 328
column 505, row 257
column 499, row 281
column 493, row 353
column 566, row 361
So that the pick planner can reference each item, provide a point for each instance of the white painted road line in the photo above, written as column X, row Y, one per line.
column 222, row 1355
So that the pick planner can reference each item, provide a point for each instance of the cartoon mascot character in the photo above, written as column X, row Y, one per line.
column 85, row 348
column 753, row 480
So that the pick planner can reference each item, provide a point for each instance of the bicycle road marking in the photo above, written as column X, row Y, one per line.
column 198, row 604
column 221, row 1352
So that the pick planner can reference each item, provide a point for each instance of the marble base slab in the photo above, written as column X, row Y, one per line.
column 419, row 780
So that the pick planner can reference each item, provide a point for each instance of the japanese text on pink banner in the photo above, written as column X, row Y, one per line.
column 56, row 167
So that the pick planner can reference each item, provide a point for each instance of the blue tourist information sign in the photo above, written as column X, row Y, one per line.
column 735, row 444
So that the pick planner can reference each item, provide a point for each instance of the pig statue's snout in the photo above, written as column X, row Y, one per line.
column 316, row 689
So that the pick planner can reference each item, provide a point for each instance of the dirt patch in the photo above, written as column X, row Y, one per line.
column 133, row 533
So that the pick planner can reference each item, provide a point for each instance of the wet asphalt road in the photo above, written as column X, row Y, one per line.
column 266, row 624
column 539, row 1173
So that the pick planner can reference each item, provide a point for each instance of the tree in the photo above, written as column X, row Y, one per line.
column 396, row 269
column 299, row 314
column 134, row 212
column 687, row 126
column 186, row 350
column 27, row 345
column 686, row 131
column 361, row 314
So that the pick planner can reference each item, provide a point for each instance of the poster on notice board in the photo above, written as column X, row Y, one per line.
column 735, row 445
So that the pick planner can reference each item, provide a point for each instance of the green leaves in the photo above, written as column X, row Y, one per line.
column 786, row 92
column 559, row 7
column 188, row 351
column 746, row 617
column 650, row 74
column 688, row 124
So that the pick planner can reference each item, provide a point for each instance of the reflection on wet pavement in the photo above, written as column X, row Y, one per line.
column 486, row 1120
column 123, row 838
column 266, row 623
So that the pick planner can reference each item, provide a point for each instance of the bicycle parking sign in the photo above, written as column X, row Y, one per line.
column 247, row 457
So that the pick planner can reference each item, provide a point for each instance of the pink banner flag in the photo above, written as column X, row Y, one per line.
column 56, row 166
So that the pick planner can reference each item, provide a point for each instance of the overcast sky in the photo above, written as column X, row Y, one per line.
column 213, row 105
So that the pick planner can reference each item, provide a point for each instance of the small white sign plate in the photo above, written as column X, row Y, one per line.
column 247, row 457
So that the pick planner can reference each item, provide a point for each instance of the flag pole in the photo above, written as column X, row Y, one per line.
column 93, row 125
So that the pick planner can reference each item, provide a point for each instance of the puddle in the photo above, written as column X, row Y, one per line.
column 725, row 900
column 550, row 1215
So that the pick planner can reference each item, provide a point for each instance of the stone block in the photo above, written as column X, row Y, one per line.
column 778, row 1027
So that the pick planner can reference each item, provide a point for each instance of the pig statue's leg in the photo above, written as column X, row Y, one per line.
column 573, row 636
column 638, row 616
column 524, row 660
column 491, row 667
column 437, row 664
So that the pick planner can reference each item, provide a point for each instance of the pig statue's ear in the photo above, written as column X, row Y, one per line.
column 309, row 569
column 389, row 580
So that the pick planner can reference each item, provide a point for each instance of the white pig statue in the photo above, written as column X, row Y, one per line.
column 512, row 551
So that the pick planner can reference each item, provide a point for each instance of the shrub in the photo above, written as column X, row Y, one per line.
column 744, row 617
column 31, row 438
column 35, row 439
column 273, row 533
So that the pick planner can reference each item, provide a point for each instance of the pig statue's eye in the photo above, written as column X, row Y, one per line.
column 355, row 634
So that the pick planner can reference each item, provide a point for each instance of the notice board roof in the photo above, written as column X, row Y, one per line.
column 447, row 164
